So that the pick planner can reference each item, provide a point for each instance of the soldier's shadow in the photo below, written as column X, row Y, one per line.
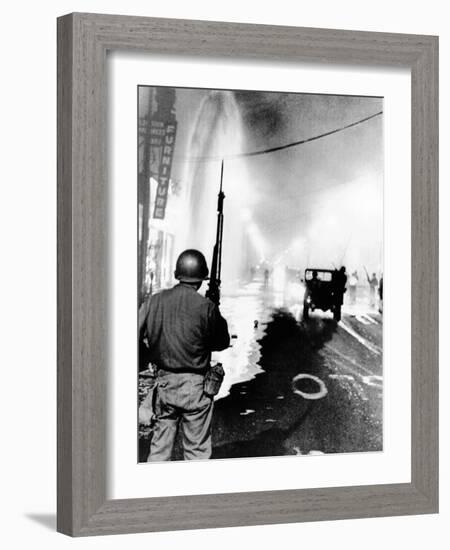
column 287, row 348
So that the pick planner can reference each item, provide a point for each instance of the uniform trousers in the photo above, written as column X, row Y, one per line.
column 180, row 403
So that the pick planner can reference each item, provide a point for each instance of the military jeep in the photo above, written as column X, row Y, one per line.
column 322, row 292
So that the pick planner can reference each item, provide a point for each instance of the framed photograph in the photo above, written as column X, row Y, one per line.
column 247, row 274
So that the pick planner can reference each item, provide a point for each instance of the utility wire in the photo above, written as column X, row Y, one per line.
column 280, row 147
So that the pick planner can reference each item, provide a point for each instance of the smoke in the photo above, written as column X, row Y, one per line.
column 264, row 113
column 326, row 194
column 320, row 202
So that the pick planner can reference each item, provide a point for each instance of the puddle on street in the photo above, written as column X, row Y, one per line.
column 242, row 308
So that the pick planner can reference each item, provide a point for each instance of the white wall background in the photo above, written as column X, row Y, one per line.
column 28, row 272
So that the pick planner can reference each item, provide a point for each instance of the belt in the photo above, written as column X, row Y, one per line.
column 183, row 370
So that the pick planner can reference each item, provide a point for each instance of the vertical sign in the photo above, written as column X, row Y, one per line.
column 163, row 127
column 164, row 149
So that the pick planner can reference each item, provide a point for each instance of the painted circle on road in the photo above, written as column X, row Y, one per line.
column 317, row 395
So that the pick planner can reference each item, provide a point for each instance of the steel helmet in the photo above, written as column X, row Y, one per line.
column 191, row 267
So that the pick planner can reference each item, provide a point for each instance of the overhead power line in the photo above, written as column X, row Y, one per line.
column 280, row 147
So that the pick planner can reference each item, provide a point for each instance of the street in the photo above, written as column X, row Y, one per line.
column 294, row 387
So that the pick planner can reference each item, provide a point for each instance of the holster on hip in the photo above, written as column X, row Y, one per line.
column 213, row 380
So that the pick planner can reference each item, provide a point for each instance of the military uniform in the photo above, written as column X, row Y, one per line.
column 183, row 328
column 339, row 279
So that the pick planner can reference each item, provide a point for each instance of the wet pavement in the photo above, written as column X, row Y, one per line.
column 294, row 387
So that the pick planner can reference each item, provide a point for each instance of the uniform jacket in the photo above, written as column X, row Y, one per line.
column 183, row 328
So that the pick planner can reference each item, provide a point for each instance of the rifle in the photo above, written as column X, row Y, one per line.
column 213, row 292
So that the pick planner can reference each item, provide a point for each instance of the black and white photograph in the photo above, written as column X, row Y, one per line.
column 260, row 274
column 227, row 222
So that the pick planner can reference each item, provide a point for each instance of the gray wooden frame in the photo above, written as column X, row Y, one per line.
column 83, row 40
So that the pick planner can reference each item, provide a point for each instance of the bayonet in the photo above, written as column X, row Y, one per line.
column 213, row 292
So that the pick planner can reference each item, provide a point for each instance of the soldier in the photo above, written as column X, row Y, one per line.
column 339, row 279
column 183, row 328
column 380, row 294
column 314, row 283
column 373, row 285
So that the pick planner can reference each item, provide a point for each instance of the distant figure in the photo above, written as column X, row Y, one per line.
column 373, row 284
column 380, row 294
column 352, row 284
column 252, row 273
column 314, row 283
column 313, row 286
column 266, row 278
